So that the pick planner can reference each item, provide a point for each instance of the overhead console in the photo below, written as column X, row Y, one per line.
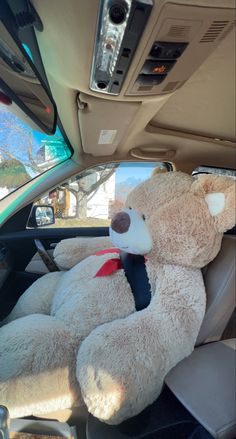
column 182, row 38
column 120, row 25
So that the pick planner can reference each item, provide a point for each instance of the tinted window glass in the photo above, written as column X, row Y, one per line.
column 24, row 152
column 91, row 198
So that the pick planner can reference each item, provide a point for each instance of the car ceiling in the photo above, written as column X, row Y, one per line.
column 192, row 125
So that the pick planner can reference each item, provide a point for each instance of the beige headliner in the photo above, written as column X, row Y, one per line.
column 206, row 103
column 186, row 121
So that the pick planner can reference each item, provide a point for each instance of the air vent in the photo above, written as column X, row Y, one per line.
column 228, row 30
column 171, row 86
column 177, row 31
column 214, row 31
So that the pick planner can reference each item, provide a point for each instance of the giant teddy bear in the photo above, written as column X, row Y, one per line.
column 75, row 336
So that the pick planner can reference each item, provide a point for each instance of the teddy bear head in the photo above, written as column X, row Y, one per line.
column 175, row 218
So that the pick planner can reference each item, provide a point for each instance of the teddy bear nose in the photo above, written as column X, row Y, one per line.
column 121, row 222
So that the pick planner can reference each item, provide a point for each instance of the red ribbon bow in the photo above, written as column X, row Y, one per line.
column 110, row 266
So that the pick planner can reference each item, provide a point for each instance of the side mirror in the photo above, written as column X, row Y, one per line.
column 41, row 215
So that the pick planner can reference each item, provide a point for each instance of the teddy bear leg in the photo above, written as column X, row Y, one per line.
column 37, row 366
column 37, row 298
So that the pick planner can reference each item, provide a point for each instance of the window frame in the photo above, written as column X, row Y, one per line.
column 88, row 171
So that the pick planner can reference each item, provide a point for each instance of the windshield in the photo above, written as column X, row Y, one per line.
column 25, row 152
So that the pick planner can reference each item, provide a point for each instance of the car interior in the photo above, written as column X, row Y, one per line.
column 141, row 83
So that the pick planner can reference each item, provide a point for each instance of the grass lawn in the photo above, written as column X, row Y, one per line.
column 83, row 222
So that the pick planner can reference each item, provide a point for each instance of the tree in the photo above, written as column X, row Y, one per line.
column 87, row 186
column 13, row 174
column 19, row 142
column 115, row 206
column 17, row 145
column 16, row 141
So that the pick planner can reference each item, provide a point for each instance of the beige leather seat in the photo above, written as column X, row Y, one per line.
column 205, row 383
column 219, row 277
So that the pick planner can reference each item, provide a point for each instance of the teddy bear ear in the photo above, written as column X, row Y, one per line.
column 158, row 170
column 219, row 195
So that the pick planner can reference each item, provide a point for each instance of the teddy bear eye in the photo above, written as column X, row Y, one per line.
column 143, row 216
column 130, row 208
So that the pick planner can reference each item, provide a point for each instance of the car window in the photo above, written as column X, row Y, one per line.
column 24, row 152
column 215, row 170
column 90, row 199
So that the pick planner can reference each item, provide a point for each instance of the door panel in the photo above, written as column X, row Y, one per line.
column 36, row 264
column 21, row 248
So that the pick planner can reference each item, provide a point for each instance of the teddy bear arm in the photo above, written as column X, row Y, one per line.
column 121, row 365
column 73, row 250
column 37, row 298
column 37, row 363
column 180, row 297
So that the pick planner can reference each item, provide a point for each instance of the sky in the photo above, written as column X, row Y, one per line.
column 139, row 171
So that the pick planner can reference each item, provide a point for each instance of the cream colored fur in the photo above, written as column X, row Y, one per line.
column 37, row 298
column 73, row 250
column 93, row 346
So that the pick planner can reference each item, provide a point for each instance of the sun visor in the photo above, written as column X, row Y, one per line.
column 103, row 123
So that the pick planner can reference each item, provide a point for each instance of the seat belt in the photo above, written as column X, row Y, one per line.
column 136, row 275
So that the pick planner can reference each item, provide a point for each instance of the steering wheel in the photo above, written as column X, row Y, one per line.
column 45, row 256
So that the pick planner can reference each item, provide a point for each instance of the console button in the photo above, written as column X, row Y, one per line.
column 163, row 50
column 152, row 67
column 150, row 80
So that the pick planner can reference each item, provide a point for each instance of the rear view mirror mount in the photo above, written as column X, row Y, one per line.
column 20, row 81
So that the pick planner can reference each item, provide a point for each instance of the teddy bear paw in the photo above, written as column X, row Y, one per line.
column 103, row 395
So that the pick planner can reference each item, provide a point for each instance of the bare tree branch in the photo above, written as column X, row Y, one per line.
column 28, row 145
column 7, row 153
column 101, row 180
column 104, row 176
column 83, row 195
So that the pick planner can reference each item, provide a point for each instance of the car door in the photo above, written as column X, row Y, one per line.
column 21, row 264
column 83, row 206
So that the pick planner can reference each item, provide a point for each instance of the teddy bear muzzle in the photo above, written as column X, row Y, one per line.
column 129, row 232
